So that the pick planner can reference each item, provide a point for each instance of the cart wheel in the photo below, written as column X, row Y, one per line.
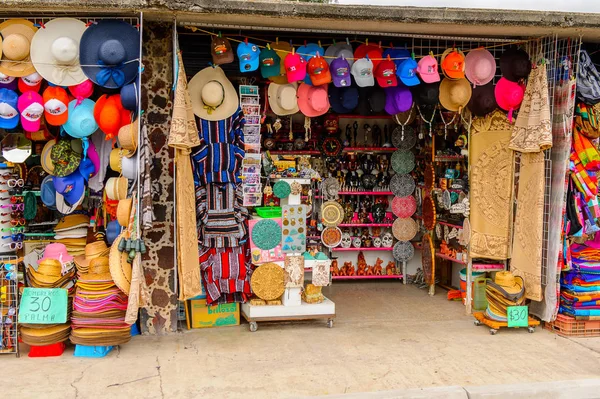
column 330, row 323
column 531, row 330
column 477, row 322
column 253, row 326
column 493, row 331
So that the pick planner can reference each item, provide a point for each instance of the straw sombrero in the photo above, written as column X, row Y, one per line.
column 114, row 160
column 403, row 251
column 402, row 185
column 455, row 94
column 403, row 161
column 332, row 213
column 266, row 234
column 268, row 281
column 70, row 222
column 124, row 211
column 213, row 96
column 99, row 270
column 331, row 237
column 17, row 35
column 120, row 270
column 405, row 229
column 92, row 250
column 128, row 138
column 45, row 159
column 116, row 188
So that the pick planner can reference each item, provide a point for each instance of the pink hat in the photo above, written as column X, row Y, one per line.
column 313, row 100
column 295, row 67
column 83, row 90
column 92, row 154
column 480, row 67
column 31, row 107
column 427, row 69
column 509, row 95
column 56, row 251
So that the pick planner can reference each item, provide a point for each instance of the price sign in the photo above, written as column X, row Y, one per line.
column 43, row 306
column 518, row 316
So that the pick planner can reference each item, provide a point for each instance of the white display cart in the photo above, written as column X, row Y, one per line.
column 291, row 309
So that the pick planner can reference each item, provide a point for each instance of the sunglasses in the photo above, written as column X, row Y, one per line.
column 15, row 237
column 13, row 246
column 15, row 200
column 14, row 207
column 17, row 222
column 14, row 191
column 7, row 175
column 11, row 275
column 14, row 229
column 9, row 267
column 16, row 183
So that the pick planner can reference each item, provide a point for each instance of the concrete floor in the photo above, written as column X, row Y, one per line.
column 387, row 336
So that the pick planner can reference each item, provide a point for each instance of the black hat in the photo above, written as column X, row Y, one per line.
column 426, row 93
column 377, row 100
column 364, row 107
column 483, row 100
column 343, row 99
column 515, row 64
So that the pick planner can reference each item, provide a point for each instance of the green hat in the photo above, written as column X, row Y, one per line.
column 65, row 159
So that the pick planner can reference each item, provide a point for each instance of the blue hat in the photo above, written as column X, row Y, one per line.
column 113, row 229
column 48, row 192
column 112, row 48
column 86, row 168
column 71, row 187
column 407, row 72
column 401, row 54
column 308, row 51
column 81, row 122
column 343, row 99
column 248, row 54
column 9, row 116
column 129, row 96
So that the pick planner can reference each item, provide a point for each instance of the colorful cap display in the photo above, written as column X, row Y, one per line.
column 269, row 63
column 282, row 49
column 248, row 54
column 515, row 64
column 8, row 82
column 31, row 107
column 340, row 72
column 371, row 51
column 9, row 116
column 318, row 70
column 308, row 51
column 407, row 72
column 295, row 67
column 509, row 94
column 221, row 51
column 455, row 93
column 343, row 100
column 362, row 70
column 56, row 102
column 453, row 64
column 385, row 73
column 427, row 69
column 398, row 99
column 398, row 55
column 30, row 82
column 83, row 90
column 110, row 115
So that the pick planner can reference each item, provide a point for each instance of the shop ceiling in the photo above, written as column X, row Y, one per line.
column 333, row 17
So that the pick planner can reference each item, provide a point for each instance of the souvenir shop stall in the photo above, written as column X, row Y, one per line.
column 317, row 158
column 70, row 172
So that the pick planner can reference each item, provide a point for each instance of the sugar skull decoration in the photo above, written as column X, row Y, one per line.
column 387, row 240
column 346, row 240
column 356, row 242
column 377, row 242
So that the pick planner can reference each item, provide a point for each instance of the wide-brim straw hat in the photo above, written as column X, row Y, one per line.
column 509, row 282
column 480, row 66
column 120, row 270
column 128, row 138
column 45, row 159
column 55, row 51
column 124, row 211
column 17, row 35
column 98, row 270
column 116, row 188
column 114, row 160
column 71, row 222
column 213, row 95
column 455, row 94
column 93, row 250
column 282, row 98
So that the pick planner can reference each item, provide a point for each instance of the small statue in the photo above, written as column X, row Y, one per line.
column 335, row 271
column 361, row 269
column 355, row 127
column 377, row 269
column 376, row 136
column 362, row 263
column 368, row 129
column 369, row 271
column 390, row 269
column 348, row 136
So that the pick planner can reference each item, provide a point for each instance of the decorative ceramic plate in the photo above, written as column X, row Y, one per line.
column 268, row 281
column 403, row 161
column 266, row 234
column 404, row 207
column 429, row 214
column 405, row 229
column 282, row 189
column 332, row 213
column 403, row 251
column 402, row 185
column 428, row 260
column 404, row 140
column 331, row 237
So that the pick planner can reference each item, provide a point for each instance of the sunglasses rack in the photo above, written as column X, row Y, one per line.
column 9, row 302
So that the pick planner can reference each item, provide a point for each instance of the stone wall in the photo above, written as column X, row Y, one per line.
column 160, row 316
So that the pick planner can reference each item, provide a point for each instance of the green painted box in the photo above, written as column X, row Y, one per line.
column 200, row 315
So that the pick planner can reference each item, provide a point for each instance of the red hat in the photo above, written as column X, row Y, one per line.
column 369, row 50
column 318, row 70
column 56, row 105
column 110, row 115
column 385, row 73
column 31, row 82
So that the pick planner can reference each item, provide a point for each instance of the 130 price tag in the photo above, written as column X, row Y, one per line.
column 518, row 316
column 43, row 306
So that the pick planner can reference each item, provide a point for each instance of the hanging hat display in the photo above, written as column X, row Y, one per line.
column 213, row 95
column 64, row 158
column 71, row 187
column 220, row 50
column 480, row 67
column 427, row 93
column 130, row 96
column 55, row 51
column 455, row 94
column 427, row 69
column 32, row 82
column 56, row 106
column 81, row 122
column 407, row 71
column 343, row 99
column 128, row 138
column 110, row 115
column 341, row 50
column 509, row 95
column 313, row 100
column 31, row 107
column 9, row 114
column 120, row 269
column 453, row 63
column 48, row 192
column 398, row 99
column 340, row 72
column 362, row 71
column 318, row 71
column 282, row 98
column 248, row 54
column 17, row 35
column 109, row 53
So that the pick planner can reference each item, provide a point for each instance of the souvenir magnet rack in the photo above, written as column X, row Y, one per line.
column 305, row 311
column 9, row 305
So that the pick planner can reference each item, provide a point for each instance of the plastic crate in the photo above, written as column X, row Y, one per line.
column 568, row 326
column 268, row 212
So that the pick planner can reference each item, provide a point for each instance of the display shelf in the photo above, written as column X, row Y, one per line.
column 313, row 237
column 294, row 153
column 448, row 158
column 360, row 249
column 393, row 276
column 488, row 267
column 365, row 193
column 352, row 116
column 449, row 224
column 369, row 149
column 442, row 256
column 304, row 311
column 365, row 225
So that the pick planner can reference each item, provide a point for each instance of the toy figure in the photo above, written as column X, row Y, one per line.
column 335, row 271
column 369, row 271
column 377, row 269
column 362, row 263
column 390, row 269
column 367, row 128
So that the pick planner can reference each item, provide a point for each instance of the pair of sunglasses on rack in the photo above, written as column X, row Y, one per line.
column 14, row 207
column 15, row 237
column 16, row 221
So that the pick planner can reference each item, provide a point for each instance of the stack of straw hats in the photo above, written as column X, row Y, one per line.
column 506, row 290
column 92, row 251
column 72, row 231
column 42, row 335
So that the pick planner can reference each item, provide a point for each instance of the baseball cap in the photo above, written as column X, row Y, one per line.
column 8, row 82
column 248, row 54
column 9, row 116
column 385, row 73
column 371, row 51
column 318, row 70
column 56, row 109
column 343, row 100
column 281, row 49
column 427, row 69
column 269, row 63
column 71, row 187
column 308, row 51
column 30, row 82
column 31, row 107
column 362, row 70
column 340, row 72
column 295, row 67
column 398, row 55
column 339, row 50
column 453, row 64
column 221, row 51
column 407, row 71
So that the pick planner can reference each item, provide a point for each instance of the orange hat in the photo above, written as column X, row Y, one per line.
column 110, row 115
column 56, row 105
column 453, row 65
column 318, row 70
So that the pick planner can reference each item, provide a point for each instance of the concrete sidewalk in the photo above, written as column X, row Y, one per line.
column 387, row 338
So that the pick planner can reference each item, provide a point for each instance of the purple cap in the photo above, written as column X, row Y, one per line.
column 8, row 82
column 340, row 72
column 398, row 99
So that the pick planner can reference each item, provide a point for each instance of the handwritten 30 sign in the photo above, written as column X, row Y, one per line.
column 518, row 316
column 43, row 306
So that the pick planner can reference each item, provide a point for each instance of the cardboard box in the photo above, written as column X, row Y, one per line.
column 199, row 315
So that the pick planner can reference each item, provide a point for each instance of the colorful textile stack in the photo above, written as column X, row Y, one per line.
column 99, row 308
column 580, row 295
column 506, row 290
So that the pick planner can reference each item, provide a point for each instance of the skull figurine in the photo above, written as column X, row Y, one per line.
column 346, row 240
column 387, row 240
column 376, row 242
column 356, row 242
